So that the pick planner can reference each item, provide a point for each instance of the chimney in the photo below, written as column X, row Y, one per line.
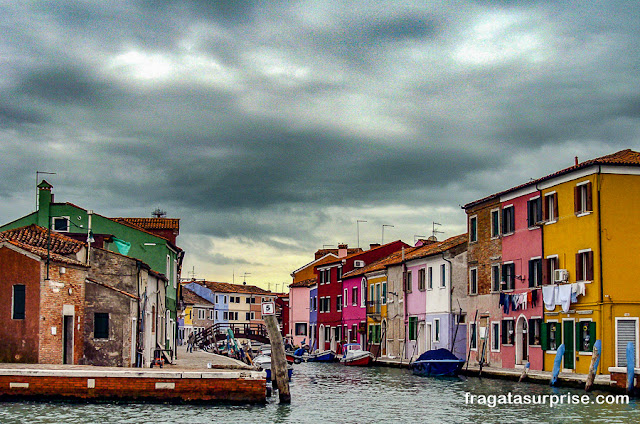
column 577, row 161
column 342, row 250
column 45, row 198
column 373, row 245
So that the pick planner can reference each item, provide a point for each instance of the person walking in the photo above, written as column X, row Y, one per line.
column 190, row 341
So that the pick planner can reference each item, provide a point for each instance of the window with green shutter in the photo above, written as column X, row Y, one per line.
column 585, row 336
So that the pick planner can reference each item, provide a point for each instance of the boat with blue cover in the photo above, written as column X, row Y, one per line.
column 437, row 363
column 325, row 356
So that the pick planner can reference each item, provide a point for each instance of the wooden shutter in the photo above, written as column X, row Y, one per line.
column 505, row 334
column 556, row 211
column 589, row 197
column 592, row 335
column 576, row 199
column 578, row 335
column 544, row 339
column 589, row 275
column 532, row 336
column 545, row 208
column 530, row 218
column 545, row 271
column 531, row 272
column 579, row 276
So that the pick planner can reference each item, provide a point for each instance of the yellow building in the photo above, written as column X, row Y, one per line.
column 377, row 311
column 591, row 243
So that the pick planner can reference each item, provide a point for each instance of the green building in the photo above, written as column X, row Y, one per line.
column 145, row 239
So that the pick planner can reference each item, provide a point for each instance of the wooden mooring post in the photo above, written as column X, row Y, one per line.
column 279, row 374
column 593, row 368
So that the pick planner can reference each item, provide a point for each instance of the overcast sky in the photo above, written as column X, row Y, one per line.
column 270, row 127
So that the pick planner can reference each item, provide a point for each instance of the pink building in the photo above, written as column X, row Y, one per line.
column 519, row 222
column 354, row 312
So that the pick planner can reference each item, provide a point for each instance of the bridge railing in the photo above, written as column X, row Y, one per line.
column 218, row 332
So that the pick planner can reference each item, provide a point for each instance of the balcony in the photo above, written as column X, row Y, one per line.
column 374, row 308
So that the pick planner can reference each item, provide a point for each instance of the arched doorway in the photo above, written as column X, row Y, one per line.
column 522, row 343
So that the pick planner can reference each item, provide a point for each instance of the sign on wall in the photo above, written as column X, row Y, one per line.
column 268, row 308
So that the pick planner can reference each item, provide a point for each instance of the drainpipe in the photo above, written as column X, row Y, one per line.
column 598, row 183
column 451, row 341
column 138, row 324
column 404, row 301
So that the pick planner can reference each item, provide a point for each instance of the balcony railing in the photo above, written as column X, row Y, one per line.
column 374, row 307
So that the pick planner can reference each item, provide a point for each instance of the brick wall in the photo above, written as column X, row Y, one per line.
column 62, row 288
column 19, row 337
column 237, row 390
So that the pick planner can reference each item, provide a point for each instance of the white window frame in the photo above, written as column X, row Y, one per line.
column 495, row 323
column 499, row 232
column 53, row 223
column 583, row 199
column 555, row 321
column 496, row 284
column 513, row 230
column 473, row 271
column 345, row 298
column 443, row 276
column 436, row 331
column 548, row 201
column 363, row 293
column 430, row 278
column 475, row 325
column 473, row 239
column 512, row 319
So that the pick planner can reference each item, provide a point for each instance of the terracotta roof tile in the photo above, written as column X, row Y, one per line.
column 625, row 157
column 191, row 298
column 305, row 283
column 35, row 236
column 233, row 288
column 154, row 223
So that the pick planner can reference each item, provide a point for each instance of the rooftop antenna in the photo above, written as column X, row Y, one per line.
column 37, row 178
column 327, row 245
column 244, row 278
column 159, row 213
column 434, row 231
column 358, row 230
column 385, row 225
column 193, row 273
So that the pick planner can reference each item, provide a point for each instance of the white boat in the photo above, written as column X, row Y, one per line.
column 354, row 355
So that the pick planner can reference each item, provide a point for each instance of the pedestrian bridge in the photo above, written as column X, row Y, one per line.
column 218, row 331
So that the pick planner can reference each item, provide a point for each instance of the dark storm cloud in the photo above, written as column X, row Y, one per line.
column 272, row 124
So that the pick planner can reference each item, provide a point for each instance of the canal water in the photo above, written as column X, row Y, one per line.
column 333, row 393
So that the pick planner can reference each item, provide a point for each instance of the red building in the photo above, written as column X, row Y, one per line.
column 330, row 290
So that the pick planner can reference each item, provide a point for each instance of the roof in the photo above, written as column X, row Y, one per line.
column 35, row 239
column 305, row 283
column 356, row 254
column 189, row 297
column 154, row 223
column 625, row 157
column 36, row 236
column 323, row 252
column 112, row 288
column 233, row 288
column 410, row 254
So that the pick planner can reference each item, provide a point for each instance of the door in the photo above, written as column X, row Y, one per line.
column 427, row 336
column 67, row 340
column 421, row 338
column 568, row 337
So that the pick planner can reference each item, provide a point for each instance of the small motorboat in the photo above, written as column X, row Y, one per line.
column 354, row 355
column 297, row 356
column 264, row 363
column 325, row 356
column 437, row 363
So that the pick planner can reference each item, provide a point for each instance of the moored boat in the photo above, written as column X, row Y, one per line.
column 437, row 363
column 325, row 356
column 354, row 355
column 264, row 363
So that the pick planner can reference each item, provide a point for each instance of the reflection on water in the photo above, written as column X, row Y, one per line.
column 334, row 393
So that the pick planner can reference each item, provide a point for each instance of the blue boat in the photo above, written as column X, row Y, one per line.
column 326, row 356
column 437, row 363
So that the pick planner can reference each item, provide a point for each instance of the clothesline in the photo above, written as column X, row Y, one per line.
column 562, row 295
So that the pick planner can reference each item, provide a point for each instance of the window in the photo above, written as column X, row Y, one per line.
column 535, row 327
column 224, row 299
column 508, row 220
column 535, row 272
column 495, row 337
column 346, row 297
column 217, row 316
column 551, row 335
column 247, row 299
column 18, row 301
column 508, row 331
column 473, row 281
column 247, row 316
column 374, row 333
column 339, row 273
column 101, row 325
column 321, row 310
column 315, row 303
column 61, row 224
column 495, row 223
column 473, row 229
column 238, row 299
column 551, row 207
column 436, row 330
column 327, row 278
column 508, row 276
column 363, row 290
column 626, row 331
column 413, row 328
column 327, row 334
column 421, row 279
column 339, row 303
column 584, row 265
column 550, row 266
column 253, row 300
column 327, row 304
column 201, row 313
column 225, row 316
column 473, row 336
column 354, row 296
column 232, row 299
column 407, row 282
column 495, row 277
column 430, row 284
column 216, row 298
column 585, row 335
column 443, row 276
column 384, row 293
column 253, row 315
column 582, row 198
column 301, row 329
column 534, row 211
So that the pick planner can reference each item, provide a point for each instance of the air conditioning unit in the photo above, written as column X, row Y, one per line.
column 358, row 264
column 560, row 275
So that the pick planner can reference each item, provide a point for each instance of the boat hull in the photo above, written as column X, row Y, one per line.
column 363, row 361
column 328, row 356
column 438, row 368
